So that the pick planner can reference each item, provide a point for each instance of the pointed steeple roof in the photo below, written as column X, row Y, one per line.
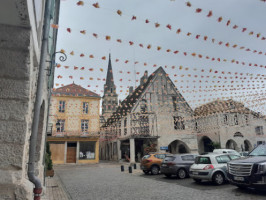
column 109, row 78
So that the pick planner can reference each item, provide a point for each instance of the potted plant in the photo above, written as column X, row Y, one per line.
column 48, row 161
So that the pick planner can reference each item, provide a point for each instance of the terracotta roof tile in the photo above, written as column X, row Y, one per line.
column 74, row 90
column 221, row 106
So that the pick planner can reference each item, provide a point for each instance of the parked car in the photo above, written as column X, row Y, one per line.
column 244, row 153
column 211, row 167
column 249, row 172
column 228, row 151
column 152, row 163
column 177, row 165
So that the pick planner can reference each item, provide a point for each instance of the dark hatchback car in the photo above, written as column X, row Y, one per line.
column 177, row 165
column 250, row 171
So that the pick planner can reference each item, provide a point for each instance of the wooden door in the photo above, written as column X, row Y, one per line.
column 58, row 152
column 71, row 155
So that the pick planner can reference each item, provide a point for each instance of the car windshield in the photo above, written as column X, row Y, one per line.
column 145, row 157
column 259, row 151
column 202, row 160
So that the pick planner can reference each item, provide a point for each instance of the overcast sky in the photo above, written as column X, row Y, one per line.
column 105, row 21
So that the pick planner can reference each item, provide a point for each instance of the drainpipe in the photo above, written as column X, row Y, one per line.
column 35, row 124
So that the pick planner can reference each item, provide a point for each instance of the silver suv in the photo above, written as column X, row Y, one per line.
column 211, row 167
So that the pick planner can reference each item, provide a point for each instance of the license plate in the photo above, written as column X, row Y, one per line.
column 195, row 173
column 164, row 165
column 237, row 178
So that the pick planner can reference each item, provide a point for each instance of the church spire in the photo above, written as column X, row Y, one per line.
column 110, row 98
column 109, row 79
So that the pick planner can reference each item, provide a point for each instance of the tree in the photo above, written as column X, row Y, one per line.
column 216, row 145
column 48, row 160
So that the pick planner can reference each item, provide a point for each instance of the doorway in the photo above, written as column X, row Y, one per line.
column 71, row 152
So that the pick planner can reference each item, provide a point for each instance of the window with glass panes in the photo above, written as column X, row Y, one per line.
column 84, row 125
column 62, row 106
column 61, row 128
column 179, row 123
column 85, row 107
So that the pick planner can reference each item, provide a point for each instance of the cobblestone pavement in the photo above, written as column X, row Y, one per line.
column 106, row 181
column 54, row 189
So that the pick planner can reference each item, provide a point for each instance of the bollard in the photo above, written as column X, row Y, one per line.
column 135, row 166
column 122, row 168
column 130, row 169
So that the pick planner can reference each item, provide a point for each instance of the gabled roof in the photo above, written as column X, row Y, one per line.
column 221, row 106
column 73, row 90
column 128, row 103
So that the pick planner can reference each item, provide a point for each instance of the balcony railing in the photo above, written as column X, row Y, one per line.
column 140, row 124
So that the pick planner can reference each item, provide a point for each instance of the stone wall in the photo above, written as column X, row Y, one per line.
column 217, row 129
column 18, row 76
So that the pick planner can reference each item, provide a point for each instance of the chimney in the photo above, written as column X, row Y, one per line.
column 130, row 90
column 144, row 78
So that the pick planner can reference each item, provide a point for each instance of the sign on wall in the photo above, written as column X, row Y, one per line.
column 164, row 148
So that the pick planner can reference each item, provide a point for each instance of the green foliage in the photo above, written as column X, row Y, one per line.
column 48, row 160
column 216, row 145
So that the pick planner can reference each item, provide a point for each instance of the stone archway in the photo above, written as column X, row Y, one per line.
column 231, row 144
column 205, row 145
column 178, row 147
column 247, row 145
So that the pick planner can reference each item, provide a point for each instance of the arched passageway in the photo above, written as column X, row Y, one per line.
column 205, row 145
column 247, row 145
column 231, row 144
column 178, row 147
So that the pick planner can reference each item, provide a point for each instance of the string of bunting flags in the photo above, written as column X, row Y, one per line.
column 173, row 67
column 189, row 33
column 225, row 83
column 227, row 21
column 185, row 53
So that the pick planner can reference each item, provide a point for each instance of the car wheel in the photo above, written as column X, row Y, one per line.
column 168, row 175
column 155, row 170
column 218, row 178
column 181, row 173
column 197, row 180
column 146, row 172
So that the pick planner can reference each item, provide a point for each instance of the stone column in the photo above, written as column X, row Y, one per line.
column 118, row 150
column 65, row 153
column 77, row 153
column 132, row 150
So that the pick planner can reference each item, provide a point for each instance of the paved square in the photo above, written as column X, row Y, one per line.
column 106, row 181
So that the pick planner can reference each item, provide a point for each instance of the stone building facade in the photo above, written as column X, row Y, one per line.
column 154, row 117
column 229, row 124
column 75, row 139
column 21, row 34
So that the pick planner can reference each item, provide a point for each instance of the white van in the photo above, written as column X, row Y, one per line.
column 231, row 151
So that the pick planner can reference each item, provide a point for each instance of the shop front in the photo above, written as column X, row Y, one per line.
column 74, row 149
